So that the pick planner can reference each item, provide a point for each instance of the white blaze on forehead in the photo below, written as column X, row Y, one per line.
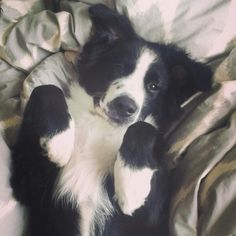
column 132, row 186
column 133, row 84
column 146, row 58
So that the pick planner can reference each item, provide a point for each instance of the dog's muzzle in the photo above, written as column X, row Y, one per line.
column 122, row 109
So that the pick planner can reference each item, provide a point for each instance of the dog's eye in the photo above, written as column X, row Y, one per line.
column 153, row 87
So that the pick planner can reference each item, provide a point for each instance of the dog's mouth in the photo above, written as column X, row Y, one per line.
column 111, row 114
column 117, row 119
column 98, row 108
column 96, row 100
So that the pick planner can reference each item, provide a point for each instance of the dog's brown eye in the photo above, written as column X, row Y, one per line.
column 153, row 87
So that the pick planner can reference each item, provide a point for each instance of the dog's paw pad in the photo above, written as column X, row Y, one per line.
column 59, row 148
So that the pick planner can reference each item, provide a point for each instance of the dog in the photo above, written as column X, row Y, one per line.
column 90, row 163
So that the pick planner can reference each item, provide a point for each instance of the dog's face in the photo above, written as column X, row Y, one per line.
column 131, row 79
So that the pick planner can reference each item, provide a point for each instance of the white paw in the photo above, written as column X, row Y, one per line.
column 59, row 147
column 132, row 186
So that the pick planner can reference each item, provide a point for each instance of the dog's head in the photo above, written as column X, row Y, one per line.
column 130, row 78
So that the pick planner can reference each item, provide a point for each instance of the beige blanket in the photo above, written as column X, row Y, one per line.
column 201, row 146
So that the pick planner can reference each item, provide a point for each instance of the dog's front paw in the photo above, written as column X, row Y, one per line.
column 59, row 147
column 132, row 186
column 135, row 167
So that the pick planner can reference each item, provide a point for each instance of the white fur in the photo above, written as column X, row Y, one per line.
column 59, row 147
column 150, row 120
column 87, row 214
column 132, row 186
column 97, row 143
column 133, row 84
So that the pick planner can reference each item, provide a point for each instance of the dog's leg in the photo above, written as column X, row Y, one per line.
column 141, row 180
column 59, row 146
column 135, row 167
column 47, row 117
column 46, row 130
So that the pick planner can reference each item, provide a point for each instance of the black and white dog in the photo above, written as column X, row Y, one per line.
column 90, row 163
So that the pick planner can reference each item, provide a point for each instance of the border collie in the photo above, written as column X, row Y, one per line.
column 91, row 163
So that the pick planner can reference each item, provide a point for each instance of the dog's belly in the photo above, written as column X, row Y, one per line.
column 81, row 180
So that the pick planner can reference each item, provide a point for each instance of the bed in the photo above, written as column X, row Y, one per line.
column 38, row 46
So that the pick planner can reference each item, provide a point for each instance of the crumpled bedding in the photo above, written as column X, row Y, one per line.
column 39, row 47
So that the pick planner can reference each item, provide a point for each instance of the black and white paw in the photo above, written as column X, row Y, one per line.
column 59, row 147
column 135, row 167
column 132, row 186
column 47, row 119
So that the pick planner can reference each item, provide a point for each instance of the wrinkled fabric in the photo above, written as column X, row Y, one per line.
column 203, row 28
column 204, row 185
column 201, row 144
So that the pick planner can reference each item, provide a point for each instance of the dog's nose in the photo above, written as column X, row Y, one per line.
column 123, row 106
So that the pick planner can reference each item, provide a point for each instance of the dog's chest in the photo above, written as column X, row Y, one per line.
column 95, row 151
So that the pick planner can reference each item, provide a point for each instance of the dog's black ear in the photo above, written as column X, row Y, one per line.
column 187, row 75
column 109, row 25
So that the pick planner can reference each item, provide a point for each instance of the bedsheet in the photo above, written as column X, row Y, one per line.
column 38, row 46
